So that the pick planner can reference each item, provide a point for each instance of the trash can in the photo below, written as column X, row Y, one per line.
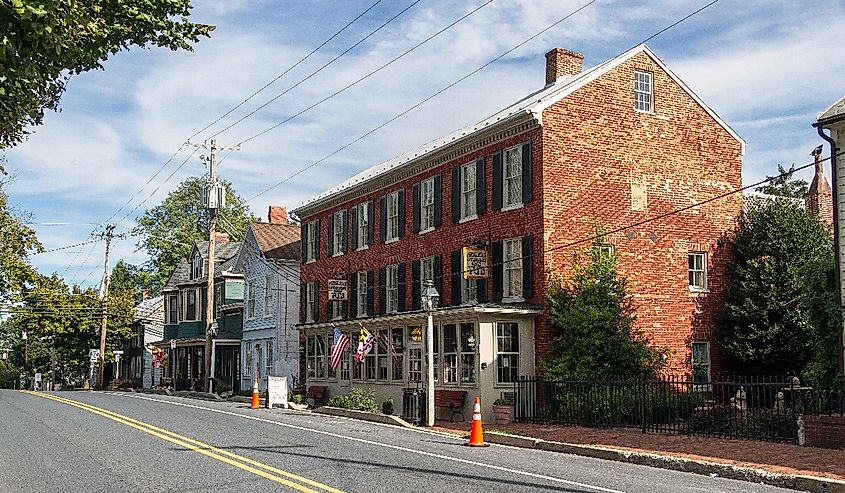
column 413, row 404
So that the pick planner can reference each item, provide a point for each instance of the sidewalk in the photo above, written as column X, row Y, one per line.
column 779, row 458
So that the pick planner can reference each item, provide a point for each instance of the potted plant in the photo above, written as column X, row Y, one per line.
column 502, row 410
column 387, row 406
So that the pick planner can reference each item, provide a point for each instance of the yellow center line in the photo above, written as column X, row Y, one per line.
column 239, row 461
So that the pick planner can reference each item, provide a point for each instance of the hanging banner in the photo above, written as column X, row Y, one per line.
column 475, row 263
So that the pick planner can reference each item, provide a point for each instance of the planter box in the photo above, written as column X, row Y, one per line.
column 502, row 414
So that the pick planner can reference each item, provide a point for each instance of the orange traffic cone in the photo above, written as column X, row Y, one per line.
column 476, row 434
column 255, row 401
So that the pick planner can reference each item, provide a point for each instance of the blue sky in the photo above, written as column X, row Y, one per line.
column 767, row 67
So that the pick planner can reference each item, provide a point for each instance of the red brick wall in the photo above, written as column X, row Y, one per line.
column 593, row 152
column 824, row 431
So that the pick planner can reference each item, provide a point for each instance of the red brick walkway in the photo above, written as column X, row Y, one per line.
column 774, row 457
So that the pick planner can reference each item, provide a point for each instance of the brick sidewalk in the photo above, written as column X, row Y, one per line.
column 773, row 457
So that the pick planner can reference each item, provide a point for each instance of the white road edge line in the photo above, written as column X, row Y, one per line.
column 378, row 444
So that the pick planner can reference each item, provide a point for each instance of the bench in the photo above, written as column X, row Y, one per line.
column 452, row 399
column 317, row 392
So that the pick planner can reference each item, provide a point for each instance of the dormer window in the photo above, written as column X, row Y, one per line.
column 198, row 265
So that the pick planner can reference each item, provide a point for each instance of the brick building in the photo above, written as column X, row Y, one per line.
column 617, row 144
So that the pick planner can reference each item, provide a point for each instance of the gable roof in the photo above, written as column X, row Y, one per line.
column 180, row 275
column 532, row 105
column 277, row 241
column 835, row 113
column 222, row 251
column 150, row 311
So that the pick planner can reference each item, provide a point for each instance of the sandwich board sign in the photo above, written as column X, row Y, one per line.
column 277, row 391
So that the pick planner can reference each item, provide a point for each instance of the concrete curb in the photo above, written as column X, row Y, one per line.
column 387, row 419
column 797, row 482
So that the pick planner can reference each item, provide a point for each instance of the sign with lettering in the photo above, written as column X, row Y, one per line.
column 416, row 334
column 93, row 355
column 337, row 290
column 475, row 263
column 277, row 391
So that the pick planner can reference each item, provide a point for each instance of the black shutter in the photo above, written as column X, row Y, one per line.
column 401, row 213
column 438, row 275
column 317, row 246
column 353, row 212
column 481, row 290
column 316, row 301
column 303, row 298
column 415, row 285
column 480, row 186
column 456, row 194
column 370, row 222
column 353, row 295
column 344, row 230
column 330, row 235
column 382, row 218
column 527, row 267
column 401, row 287
column 415, row 221
column 527, row 186
column 328, row 310
column 497, row 180
column 370, row 293
column 498, row 270
column 303, row 239
column 382, row 290
column 457, row 269
column 438, row 200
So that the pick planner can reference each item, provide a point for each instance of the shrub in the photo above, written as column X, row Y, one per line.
column 358, row 399
column 297, row 399
column 387, row 406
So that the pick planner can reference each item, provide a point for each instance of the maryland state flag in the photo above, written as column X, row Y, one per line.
column 365, row 344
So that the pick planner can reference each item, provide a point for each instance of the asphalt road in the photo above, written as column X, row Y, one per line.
column 116, row 442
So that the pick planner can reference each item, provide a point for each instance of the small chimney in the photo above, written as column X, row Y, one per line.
column 819, row 198
column 562, row 63
column 220, row 237
column 277, row 215
column 817, row 158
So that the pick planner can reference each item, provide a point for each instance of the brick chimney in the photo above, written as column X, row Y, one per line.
column 819, row 199
column 277, row 215
column 562, row 63
column 220, row 237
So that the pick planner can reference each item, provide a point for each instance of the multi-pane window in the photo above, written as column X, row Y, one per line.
column 172, row 309
column 512, row 268
column 698, row 271
column 459, row 353
column 384, row 354
column 337, row 310
column 397, row 340
column 370, row 362
column 191, row 312
column 427, row 205
column 338, row 232
column 700, row 362
column 310, row 302
column 507, row 352
column 269, row 358
column 512, row 183
column 196, row 267
column 218, row 301
column 247, row 360
column 415, row 365
column 436, row 344
column 392, row 288
column 315, row 355
column 469, row 290
column 250, row 303
column 643, row 91
column 468, row 204
column 606, row 250
column 313, row 235
column 345, row 362
column 268, row 295
column 426, row 271
column 363, row 225
column 392, row 216
column 361, row 294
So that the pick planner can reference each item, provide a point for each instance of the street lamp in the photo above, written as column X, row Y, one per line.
column 430, row 297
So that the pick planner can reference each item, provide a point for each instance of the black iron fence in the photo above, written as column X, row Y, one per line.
column 759, row 407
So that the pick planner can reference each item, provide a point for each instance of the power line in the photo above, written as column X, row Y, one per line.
column 66, row 247
column 282, row 74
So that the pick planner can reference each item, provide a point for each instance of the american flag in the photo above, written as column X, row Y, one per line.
column 341, row 340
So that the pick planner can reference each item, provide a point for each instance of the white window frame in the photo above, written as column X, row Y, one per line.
column 426, row 205
column 250, row 300
column 468, row 209
column 512, row 177
column 392, row 288
column 313, row 236
column 172, row 309
column 363, row 226
column 197, row 305
column 197, row 266
column 392, row 207
column 316, row 364
column 361, row 302
column 337, row 310
column 311, row 302
column 512, row 287
column 397, row 360
column 509, row 354
column 697, row 271
column 606, row 250
column 247, row 349
column 268, row 359
column 455, row 370
column 337, row 233
column 469, row 291
column 268, row 295
column 643, row 91
column 426, row 271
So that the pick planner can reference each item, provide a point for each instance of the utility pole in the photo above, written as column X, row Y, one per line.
column 214, row 199
column 108, row 234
